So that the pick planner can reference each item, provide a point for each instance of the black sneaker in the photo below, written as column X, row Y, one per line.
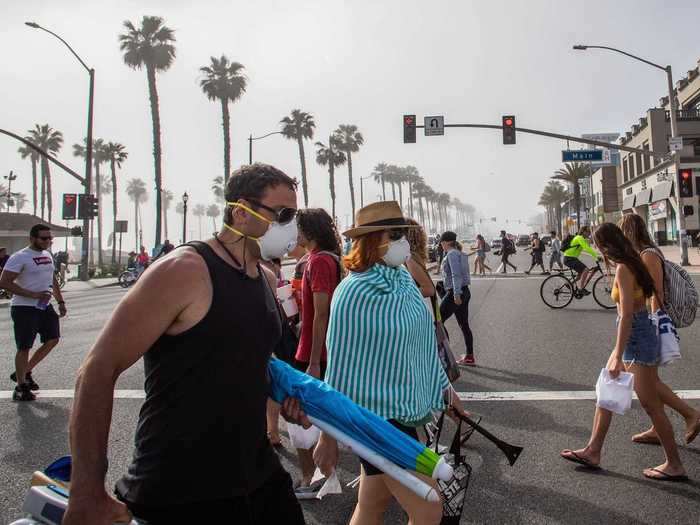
column 22, row 393
column 28, row 379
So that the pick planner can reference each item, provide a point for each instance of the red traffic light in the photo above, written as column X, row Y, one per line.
column 686, row 174
column 409, row 120
column 508, row 122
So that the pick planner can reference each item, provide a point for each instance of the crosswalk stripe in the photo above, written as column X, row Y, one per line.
column 549, row 395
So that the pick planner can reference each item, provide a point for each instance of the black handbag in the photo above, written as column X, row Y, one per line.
column 454, row 491
column 286, row 347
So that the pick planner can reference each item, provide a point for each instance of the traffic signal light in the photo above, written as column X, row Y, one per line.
column 409, row 129
column 70, row 205
column 686, row 183
column 87, row 206
column 76, row 231
column 508, row 129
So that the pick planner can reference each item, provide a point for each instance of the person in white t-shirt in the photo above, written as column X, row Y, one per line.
column 29, row 275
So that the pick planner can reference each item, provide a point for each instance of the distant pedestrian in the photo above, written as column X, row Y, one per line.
column 507, row 249
column 480, row 250
column 142, row 261
column 456, row 279
column 165, row 249
column 29, row 275
column 417, row 263
column 537, row 249
column 439, row 254
column 555, row 257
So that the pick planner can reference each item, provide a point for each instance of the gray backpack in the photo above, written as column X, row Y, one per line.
column 680, row 294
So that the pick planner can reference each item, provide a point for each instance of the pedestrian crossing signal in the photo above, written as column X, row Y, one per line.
column 409, row 129
column 70, row 203
column 508, row 129
column 87, row 206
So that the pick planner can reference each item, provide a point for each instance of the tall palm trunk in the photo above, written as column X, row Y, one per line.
column 165, row 222
column 331, row 181
column 352, row 185
column 226, row 123
column 400, row 195
column 43, row 186
column 155, row 117
column 34, row 183
column 302, row 159
column 213, row 223
column 98, row 194
column 577, row 203
column 410, row 198
column 49, row 200
column 420, row 210
column 383, row 189
column 136, row 225
column 113, row 168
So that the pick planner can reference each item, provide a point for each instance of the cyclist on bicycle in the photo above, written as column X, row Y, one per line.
column 571, row 257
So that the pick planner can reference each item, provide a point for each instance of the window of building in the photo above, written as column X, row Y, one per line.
column 631, row 159
column 638, row 164
column 625, row 170
column 645, row 147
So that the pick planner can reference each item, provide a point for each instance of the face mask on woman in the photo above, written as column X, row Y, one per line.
column 397, row 252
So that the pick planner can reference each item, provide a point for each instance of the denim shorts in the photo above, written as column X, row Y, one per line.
column 643, row 344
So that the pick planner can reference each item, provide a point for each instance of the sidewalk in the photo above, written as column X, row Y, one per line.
column 78, row 286
column 673, row 253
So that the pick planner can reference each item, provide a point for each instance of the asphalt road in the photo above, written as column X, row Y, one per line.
column 521, row 346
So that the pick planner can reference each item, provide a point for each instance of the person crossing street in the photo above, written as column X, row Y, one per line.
column 555, row 257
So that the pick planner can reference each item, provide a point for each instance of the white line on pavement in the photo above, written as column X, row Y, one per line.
column 549, row 395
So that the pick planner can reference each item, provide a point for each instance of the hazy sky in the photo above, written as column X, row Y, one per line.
column 361, row 62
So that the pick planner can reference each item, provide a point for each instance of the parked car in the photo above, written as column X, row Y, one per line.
column 523, row 240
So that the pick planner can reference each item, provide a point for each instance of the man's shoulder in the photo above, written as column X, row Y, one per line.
column 179, row 265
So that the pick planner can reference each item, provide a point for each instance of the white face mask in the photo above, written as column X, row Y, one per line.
column 278, row 240
column 397, row 253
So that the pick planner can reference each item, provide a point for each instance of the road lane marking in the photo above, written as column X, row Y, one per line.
column 548, row 395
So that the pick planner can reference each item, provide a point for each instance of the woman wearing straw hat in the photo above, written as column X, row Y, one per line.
column 381, row 354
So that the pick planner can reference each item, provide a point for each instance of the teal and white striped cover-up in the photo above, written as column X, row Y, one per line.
column 382, row 351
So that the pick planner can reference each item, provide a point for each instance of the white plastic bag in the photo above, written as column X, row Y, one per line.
column 669, row 341
column 614, row 394
column 301, row 437
column 331, row 486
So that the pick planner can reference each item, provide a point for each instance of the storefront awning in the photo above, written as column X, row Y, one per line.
column 628, row 202
column 643, row 198
column 662, row 191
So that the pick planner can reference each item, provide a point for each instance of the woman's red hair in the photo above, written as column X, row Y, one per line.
column 365, row 252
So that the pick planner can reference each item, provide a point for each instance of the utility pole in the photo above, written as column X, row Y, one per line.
column 9, row 178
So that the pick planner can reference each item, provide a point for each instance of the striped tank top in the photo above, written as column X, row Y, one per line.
column 382, row 351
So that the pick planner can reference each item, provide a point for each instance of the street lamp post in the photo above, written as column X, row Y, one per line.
column 362, row 198
column 673, row 105
column 9, row 178
column 251, row 138
column 185, row 198
column 88, row 154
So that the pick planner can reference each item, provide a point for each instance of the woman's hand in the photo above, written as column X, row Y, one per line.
column 455, row 407
column 292, row 413
column 326, row 454
column 615, row 365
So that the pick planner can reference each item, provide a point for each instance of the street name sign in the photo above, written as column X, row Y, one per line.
column 434, row 125
column 675, row 143
column 582, row 155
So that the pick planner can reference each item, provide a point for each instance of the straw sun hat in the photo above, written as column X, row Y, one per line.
column 378, row 216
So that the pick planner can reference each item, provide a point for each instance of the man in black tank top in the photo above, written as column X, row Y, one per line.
column 196, row 459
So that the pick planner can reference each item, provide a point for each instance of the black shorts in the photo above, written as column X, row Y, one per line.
column 302, row 366
column 371, row 470
column 575, row 264
column 274, row 502
column 30, row 321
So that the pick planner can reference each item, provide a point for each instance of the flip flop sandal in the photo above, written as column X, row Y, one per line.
column 575, row 458
column 646, row 439
column 690, row 436
column 665, row 477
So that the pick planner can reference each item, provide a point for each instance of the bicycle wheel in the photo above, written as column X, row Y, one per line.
column 556, row 291
column 126, row 279
column 601, row 291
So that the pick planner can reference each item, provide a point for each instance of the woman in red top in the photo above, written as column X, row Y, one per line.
column 322, row 273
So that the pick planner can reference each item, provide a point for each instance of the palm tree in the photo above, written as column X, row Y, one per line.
column 136, row 190
column 115, row 154
column 555, row 195
column 411, row 176
column 51, row 141
column 332, row 157
column 213, row 211
column 199, row 211
column 572, row 173
column 168, row 198
column 99, row 157
column 224, row 81
column 349, row 140
column 397, row 177
column 217, row 187
column 419, row 190
column 298, row 126
column 27, row 152
column 379, row 174
column 150, row 46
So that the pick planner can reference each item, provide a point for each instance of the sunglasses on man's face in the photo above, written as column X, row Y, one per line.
column 283, row 216
column 49, row 238
column 395, row 235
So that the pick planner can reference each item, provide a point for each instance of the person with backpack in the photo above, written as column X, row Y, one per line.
column 572, row 248
column 507, row 249
column 322, row 273
column 555, row 257
column 537, row 248
column 634, row 228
